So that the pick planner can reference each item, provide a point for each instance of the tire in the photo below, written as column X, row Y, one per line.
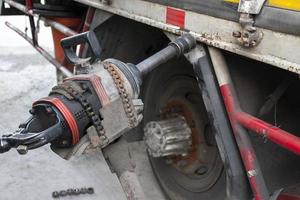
column 174, row 80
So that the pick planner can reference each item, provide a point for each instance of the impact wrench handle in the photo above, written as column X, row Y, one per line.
column 4, row 145
column 33, row 133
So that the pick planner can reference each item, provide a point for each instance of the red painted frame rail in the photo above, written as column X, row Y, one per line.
column 282, row 138
column 240, row 120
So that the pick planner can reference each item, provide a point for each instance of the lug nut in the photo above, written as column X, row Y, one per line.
column 62, row 193
column 90, row 190
column 76, row 192
column 22, row 149
column 55, row 194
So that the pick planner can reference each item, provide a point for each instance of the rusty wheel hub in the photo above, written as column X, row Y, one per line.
column 198, row 172
column 202, row 161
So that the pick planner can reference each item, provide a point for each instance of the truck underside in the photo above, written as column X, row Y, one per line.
column 225, row 112
column 255, row 84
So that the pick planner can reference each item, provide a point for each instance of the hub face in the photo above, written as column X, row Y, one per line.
column 202, row 161
column 201, row 168
column 169, row 137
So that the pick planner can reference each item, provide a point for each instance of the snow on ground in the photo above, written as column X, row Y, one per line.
column 26, row 76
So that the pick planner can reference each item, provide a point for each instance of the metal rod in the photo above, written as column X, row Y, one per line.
column 58, row 26
column 255, row 177
column 283, row 138
column 273, row 133
column 32, row 28
column 274, row 97
column 181, row 45
column 247, row 152
column 157, row 59
column 44, row 53
column 86, row 26
column 29, row 6
column 19, row 6
column 88, row 19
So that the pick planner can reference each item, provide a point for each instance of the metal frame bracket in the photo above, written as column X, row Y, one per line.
column 249, row 35
column 251, row 6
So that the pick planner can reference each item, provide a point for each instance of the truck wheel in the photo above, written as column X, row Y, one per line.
column 173, row 89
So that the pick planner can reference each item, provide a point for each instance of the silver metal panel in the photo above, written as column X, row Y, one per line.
column 251, row 6
column 276, row 48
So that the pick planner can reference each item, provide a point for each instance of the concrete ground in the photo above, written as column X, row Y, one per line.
column 24, row 77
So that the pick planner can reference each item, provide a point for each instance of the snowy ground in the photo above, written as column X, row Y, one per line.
column 24, row 77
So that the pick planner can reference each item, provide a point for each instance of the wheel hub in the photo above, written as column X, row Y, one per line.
column 197, row 173
column 196, row 162
column 200, row 162
column 168, row 137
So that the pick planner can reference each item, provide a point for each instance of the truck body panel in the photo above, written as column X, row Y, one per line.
column 212, row 31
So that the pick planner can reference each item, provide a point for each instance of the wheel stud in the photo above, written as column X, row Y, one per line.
column 201, row 170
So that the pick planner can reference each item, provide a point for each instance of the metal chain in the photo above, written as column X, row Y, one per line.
column 87, row 107
column 119, row 83
column 71, row 192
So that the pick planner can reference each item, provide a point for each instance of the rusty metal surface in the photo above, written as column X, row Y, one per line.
column 193, row 157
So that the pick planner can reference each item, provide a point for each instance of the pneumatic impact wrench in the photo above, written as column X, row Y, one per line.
column 101, row 96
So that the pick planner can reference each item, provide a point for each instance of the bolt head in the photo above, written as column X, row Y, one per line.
column 236, row 34
column 201, row 170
